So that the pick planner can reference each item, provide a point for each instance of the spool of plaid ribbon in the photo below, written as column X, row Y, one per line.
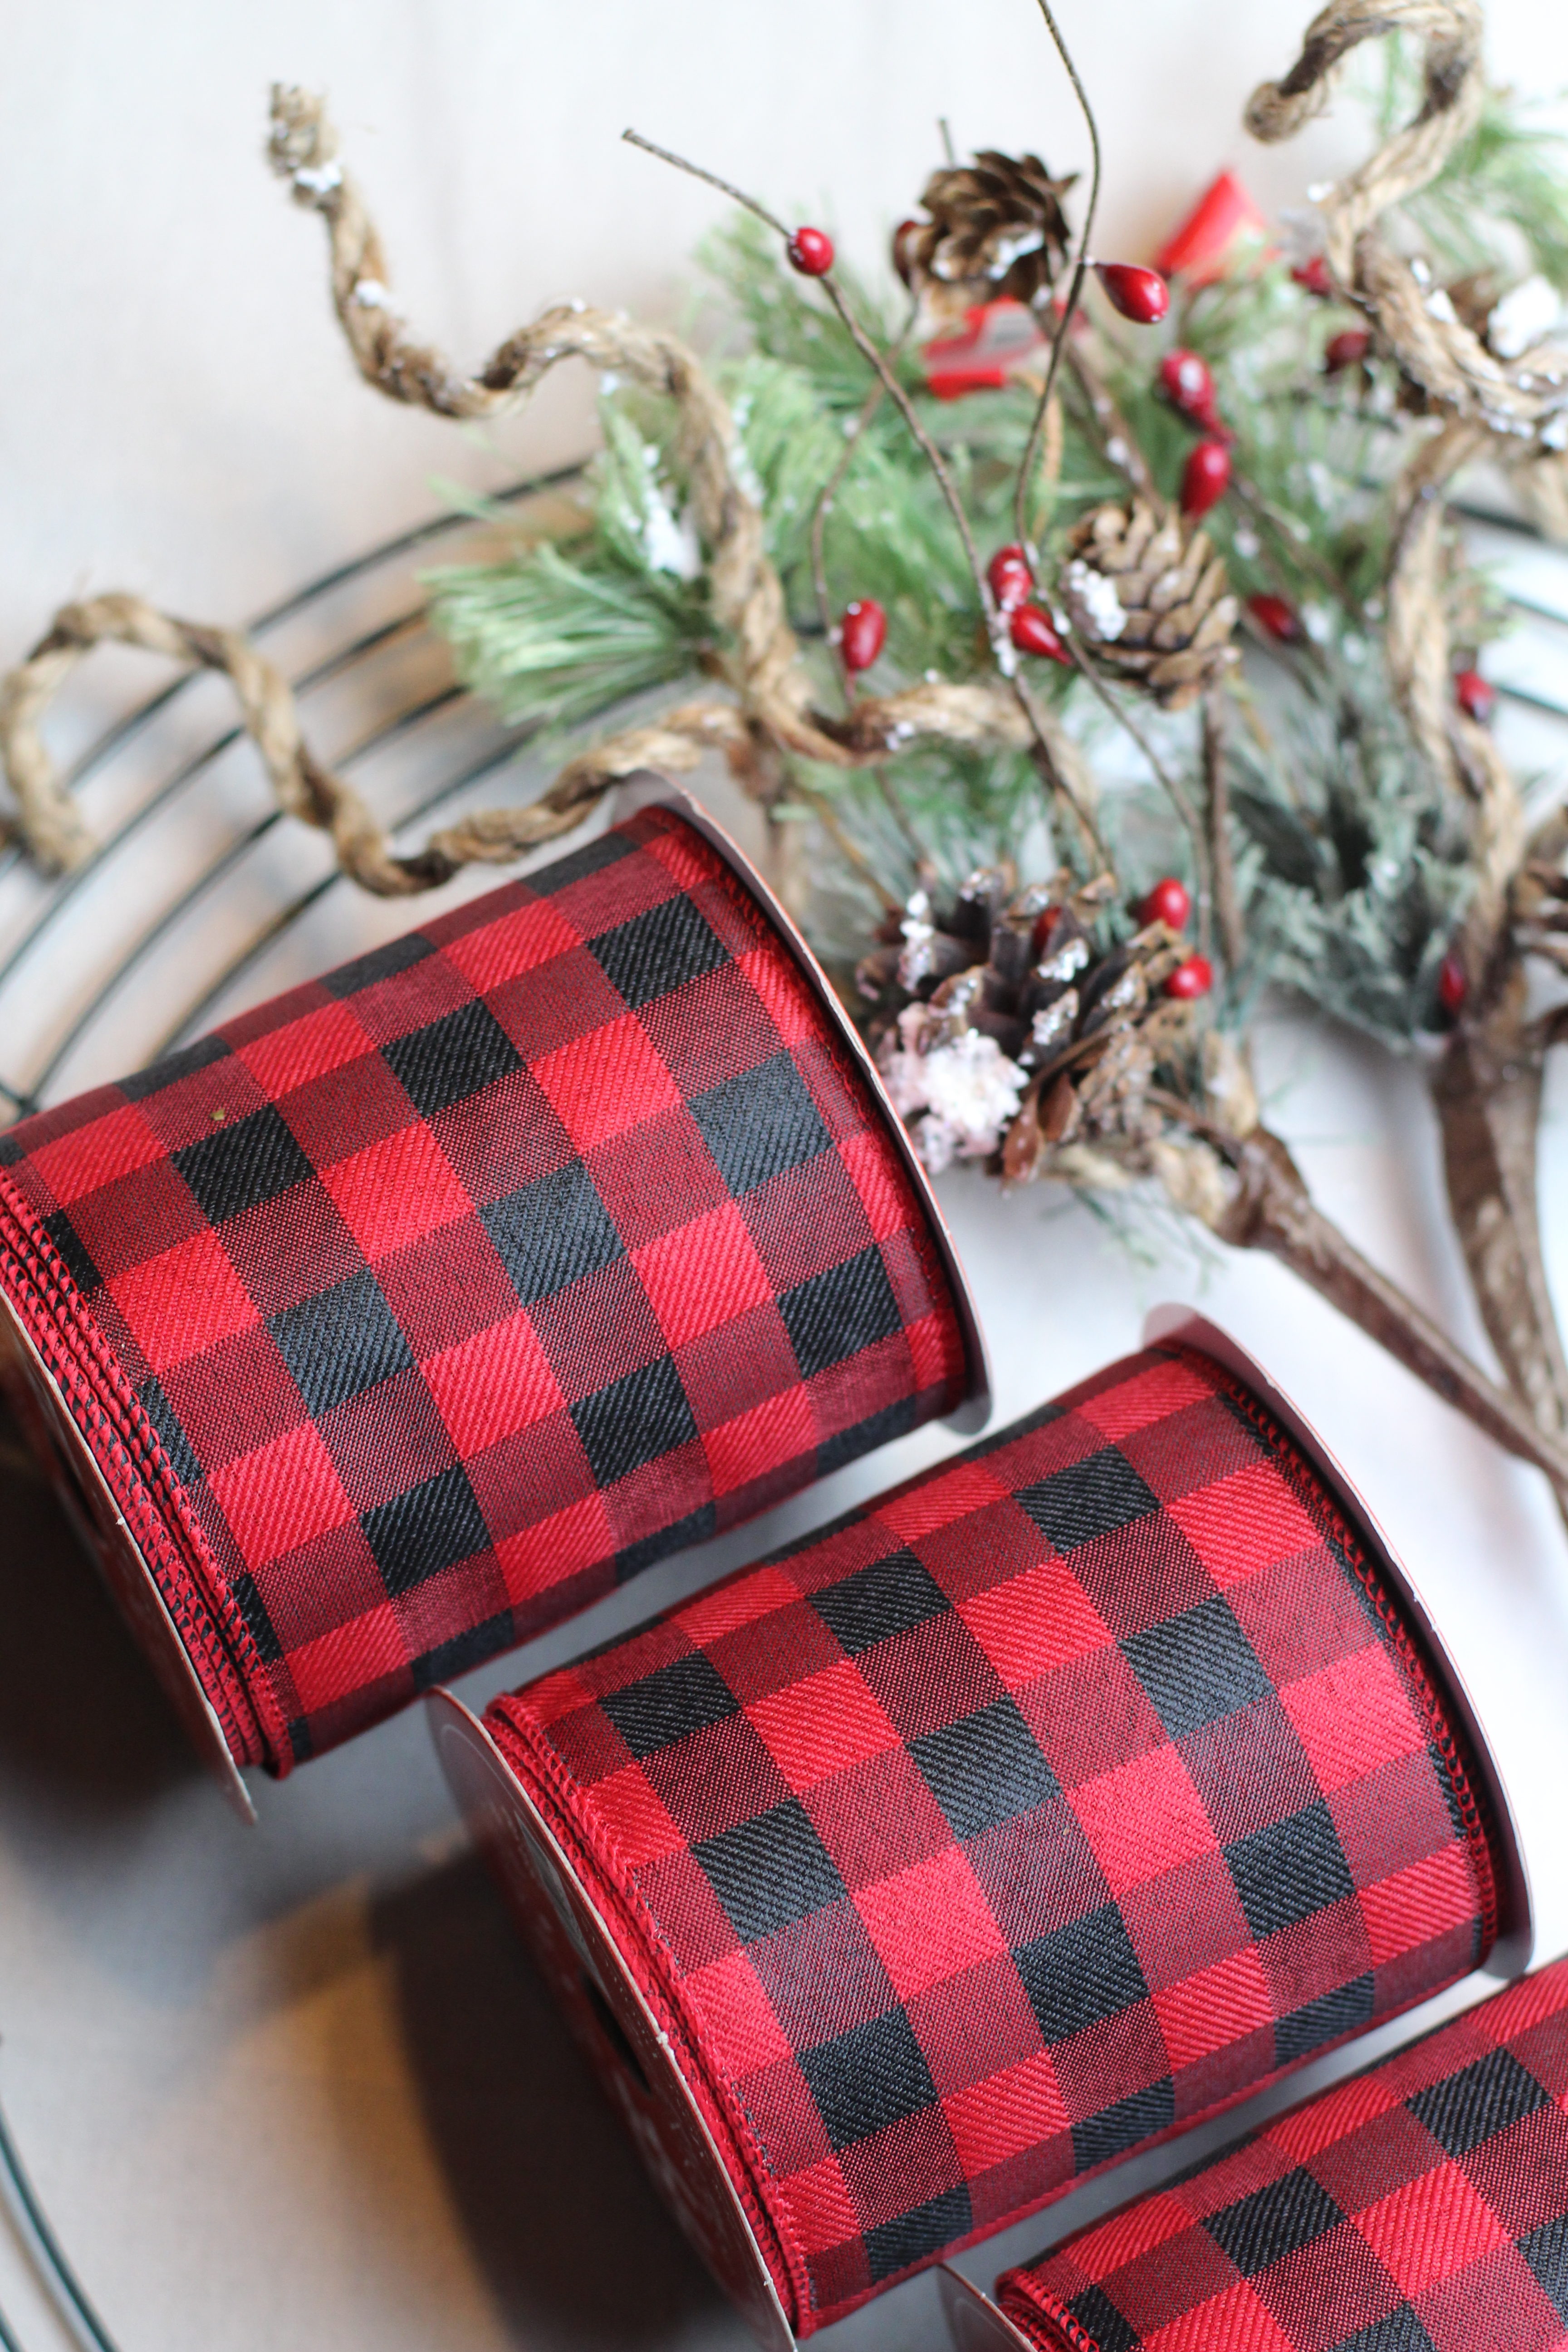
column 412, row 1310
column 1422, row 2207
column 1053, row 1800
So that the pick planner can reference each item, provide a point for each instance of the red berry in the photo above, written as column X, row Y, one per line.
column 1168, row 902
column 1033, row 631
column 1206, row 478
column 1346, row 350
column 1314, row 276
column 1011, row 581
column 810, row 251
column 1453, row 987
column 1141, row 295
column 1474, row 697
column 862, row 632
column 1275, row 618
column 1193, row 978
column 1187, row 384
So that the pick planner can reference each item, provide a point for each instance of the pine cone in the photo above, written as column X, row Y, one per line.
column 996, row 232
column 1151, row 601
column 1002, row 1026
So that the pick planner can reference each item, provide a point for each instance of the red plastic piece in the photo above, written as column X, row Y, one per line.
column 1346, row 350
column 1205, row 477
column 997, row 338
column 1475, row 697
column 1204, row 245
column 1011, row 580
column 862, row 632
column 1191, row 979
column 1277, row 618
column 1033, row 631
column 810, row 251
column 1141, row 295
column 1169, row 901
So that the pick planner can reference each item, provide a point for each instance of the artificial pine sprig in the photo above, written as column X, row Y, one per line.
column 560, row 631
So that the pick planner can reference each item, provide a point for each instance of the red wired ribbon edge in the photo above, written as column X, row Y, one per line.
column 413, row 1310
column 1422, row 2207
column 1065, row 1795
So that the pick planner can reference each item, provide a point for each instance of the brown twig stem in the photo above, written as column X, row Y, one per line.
column 1275, row 1213
column 1272, row 1210
column 699, row 172
column 1080, row 271
column 1006, row 660
column 1221, row 864
column 1164, row 776
column 1117, row 440
column 827, row 818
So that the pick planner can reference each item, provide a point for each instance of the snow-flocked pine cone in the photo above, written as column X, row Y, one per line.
column 997, row 231
column 1150, row 600
column 1003, row 1029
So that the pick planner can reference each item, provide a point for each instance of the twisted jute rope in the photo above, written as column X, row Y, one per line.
column 761, row 666
column 1525, row 399
column 1513, row 411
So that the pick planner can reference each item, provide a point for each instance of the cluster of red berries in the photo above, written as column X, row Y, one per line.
column 1030, row 624
column 1350, row 347
column 1138, row 294
column 1170, row 902
column 1187, row 382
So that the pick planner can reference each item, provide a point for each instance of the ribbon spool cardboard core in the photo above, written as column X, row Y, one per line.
column 59, row 1447
column 620, row 2033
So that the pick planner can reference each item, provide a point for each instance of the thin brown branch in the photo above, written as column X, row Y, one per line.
column 1164, row 776
column 876, row 358
column 901, row 818
column 1080, row 271
column 1252, row 497
column 995, row 623
column 887, row 375
column 1117, row 440
column 849, row 850
column 853, row 436
column 697, row 172
column 1222, row 862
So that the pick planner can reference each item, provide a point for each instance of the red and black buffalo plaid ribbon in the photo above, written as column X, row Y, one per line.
column 412, row 1310
column 1420, row 2208
column 1053, row 1800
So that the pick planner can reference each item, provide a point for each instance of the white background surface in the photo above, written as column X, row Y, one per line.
column 296, row 2088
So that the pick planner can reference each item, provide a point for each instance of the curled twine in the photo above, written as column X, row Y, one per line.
column 763, row 668
column 1525, row 404
column 1526, row 399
